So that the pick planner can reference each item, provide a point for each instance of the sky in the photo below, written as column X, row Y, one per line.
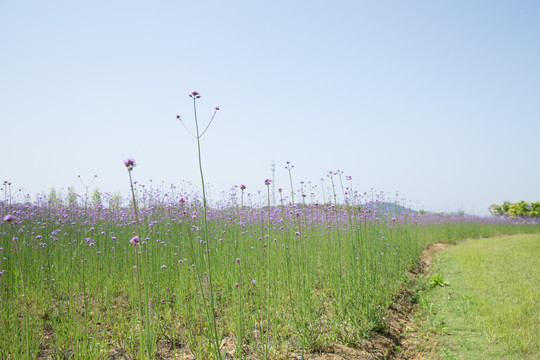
column 436, row 100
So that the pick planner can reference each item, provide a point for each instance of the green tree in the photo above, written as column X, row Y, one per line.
column 72, row 197
column 535, row 209
column 496, row 210
column 96, row 198
column 115, row 201
column 54, row 198
column 519, row 209
column 506, row 207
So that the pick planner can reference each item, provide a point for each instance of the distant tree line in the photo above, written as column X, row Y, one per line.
column 518, row 209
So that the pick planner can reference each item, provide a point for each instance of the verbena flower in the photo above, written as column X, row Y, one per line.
column 130, row 164
column 134, row 241
column 9, row 218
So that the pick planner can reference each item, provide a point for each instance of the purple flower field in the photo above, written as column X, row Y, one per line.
column 97, row 278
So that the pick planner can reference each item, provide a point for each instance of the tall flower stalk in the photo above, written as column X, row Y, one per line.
column 211, row 309
column 130, row 164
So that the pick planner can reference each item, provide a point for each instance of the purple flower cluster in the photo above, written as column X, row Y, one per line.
column 129, row 163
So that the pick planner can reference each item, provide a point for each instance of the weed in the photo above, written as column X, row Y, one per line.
column 437, row 280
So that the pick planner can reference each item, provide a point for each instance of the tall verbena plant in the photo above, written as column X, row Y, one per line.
column 145, row 336
column 208, row 294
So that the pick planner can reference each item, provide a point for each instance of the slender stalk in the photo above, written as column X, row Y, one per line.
column 130, row 164
column 211, row 316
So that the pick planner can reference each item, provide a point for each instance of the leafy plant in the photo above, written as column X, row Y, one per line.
column 437, row 280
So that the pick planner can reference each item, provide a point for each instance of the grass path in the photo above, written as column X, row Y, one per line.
column 484, row 299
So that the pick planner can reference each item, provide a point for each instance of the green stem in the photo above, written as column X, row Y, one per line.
column 205, row 234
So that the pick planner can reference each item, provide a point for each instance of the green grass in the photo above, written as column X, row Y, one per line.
column 489, row 306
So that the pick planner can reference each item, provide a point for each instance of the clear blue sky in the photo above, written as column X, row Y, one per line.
column 439, row 100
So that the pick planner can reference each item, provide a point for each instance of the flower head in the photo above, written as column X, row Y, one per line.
column 130, row 164
column 9, row 218
column 217, row 108
column 242, row 187
column 134, row 240
column 194, row 95
column 267, row 182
